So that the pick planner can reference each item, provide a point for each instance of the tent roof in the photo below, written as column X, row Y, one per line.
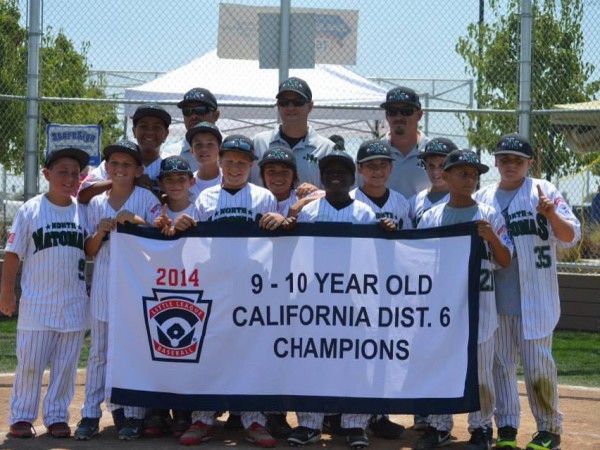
column 580, row 123
column 239, row 84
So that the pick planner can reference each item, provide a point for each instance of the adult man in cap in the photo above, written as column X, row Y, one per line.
column 403, row 112
column 294, row 103
column 198, row 105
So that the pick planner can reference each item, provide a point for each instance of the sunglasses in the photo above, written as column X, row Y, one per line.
column 198, row 110
column 296, row 102
column 175, row 164
column 403, row 111
column 238, row 144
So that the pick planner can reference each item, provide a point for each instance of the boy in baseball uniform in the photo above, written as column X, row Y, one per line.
column 205, row 141
column 337, row 177
column 538, row 219
column 432, row 159
column 123, row 202
column 48, row 233
column 462, row 170
column 235, row 200
column 150, row 129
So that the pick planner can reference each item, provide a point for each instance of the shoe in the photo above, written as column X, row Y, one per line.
column 278, row 425
column 433, row 438
column 87, row 428
column 234, row 422
column 383, row 427
column 59, row 430
column 544, row 440
column 118, row 416
column 507, row 438
column 481, row 439
column 132, row 429
column 158, row 424
column 302, row 435
column 180, row 426
column 196, row 433
column 420, row 423
column 22, row 429
column 357, row 438
column 259, row 435
column 333, row 424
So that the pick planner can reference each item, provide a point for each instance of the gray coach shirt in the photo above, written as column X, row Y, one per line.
column 307, row 152
column 408, row 177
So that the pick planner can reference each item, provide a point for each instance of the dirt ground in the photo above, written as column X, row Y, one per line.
column 580, row 406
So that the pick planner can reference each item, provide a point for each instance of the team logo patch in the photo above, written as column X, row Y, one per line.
column 176, row 324
column 11, row 238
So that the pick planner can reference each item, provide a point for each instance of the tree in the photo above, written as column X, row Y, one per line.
column 559, row 75
column 64, row 72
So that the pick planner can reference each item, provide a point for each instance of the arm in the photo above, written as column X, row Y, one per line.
column 86, row 194
column 500, row 252
column 94, row 242
column 297, row 207
column 8, row 299
column 126, row 216
column 563, row 229
column 271, row 220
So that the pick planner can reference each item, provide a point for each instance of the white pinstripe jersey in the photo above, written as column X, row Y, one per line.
column 199, row 185
column 419, row 203
column 321, row 211
column 396, row 207
column 50, row 239
column 248, row 204
column 488, row 316
column 141, row 202
column 283, row 206
column 190, row 211
column 535, row 246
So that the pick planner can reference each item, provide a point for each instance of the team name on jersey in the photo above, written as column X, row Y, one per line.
column 522, row 223
column 55, row 235
column 235, row 214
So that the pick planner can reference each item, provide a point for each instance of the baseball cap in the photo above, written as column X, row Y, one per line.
column 339, row 141
column 123, row 146
column 337, row 155
column 152, row 111
column 402, row 94
column 278, row 154
column 514, row 144
column 81, row 156
column 174, row 164
column 198, row 95
column 238, row 143
column 440, row 146
column 204, row 127
column 297, row 85
column 464, row 158
column 374, row 149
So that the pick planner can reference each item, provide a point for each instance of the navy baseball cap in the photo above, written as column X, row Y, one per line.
column 297, row 85
column 374, row 149
column 440, row 146
column 198, row 95
column 278, row 154
column 152, row 110
column 238, row 143
column 123, row 146
column 81, row 156
column 204, row 127
column 175, row 164
column 514, row 144
column 464, row 158
column 337, row 155
column 402, row 94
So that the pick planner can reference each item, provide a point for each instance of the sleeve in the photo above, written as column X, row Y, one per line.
column 18, row 237
column 152, row 209
column 499, row 227
column 563, row 210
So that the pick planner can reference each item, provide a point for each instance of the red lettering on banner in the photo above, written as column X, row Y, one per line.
column 181, row 304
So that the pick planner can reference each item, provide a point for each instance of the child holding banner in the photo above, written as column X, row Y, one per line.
column 48, row 232
column 235, row 199
column 462, row 170
column 123, row 202
column 150, row 129
column 337, row 176
column 538, row 220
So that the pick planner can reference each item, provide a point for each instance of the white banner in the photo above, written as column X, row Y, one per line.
column 332, row 318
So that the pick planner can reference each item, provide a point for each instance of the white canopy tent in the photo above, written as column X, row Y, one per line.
column 344, row 101
column 580, row 123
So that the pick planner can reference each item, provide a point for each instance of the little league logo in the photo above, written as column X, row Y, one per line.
column 176, row 324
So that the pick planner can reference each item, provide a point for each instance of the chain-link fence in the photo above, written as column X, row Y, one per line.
column 464, row 58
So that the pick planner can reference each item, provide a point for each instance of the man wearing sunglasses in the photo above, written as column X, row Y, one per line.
column 294, row 104
column 198, row 105
column 403, row 112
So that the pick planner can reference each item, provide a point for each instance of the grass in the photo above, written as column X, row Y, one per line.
column 577, row 354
